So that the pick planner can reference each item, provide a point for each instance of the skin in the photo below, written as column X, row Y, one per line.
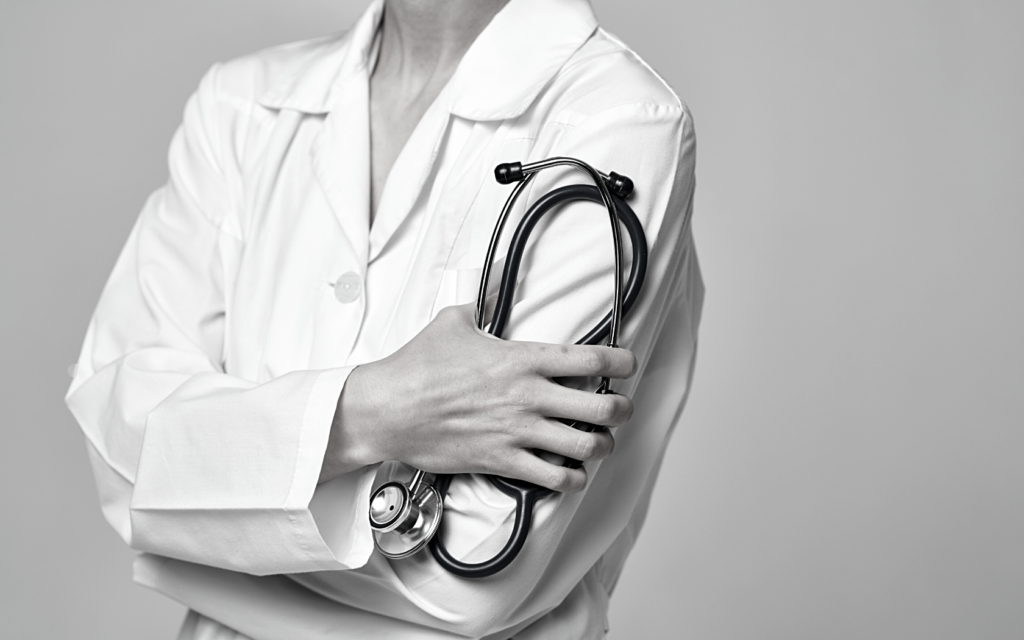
column 422, row 42
column 455, row 399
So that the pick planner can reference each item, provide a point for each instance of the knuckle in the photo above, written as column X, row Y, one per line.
column 508, row 463
column 517, row 397
column 560, row 354
column 517, row 358
column 588, row 361
column 513, row 432
column 586, row 447
column 605, row 409
column 600, row 360
column 560, row 479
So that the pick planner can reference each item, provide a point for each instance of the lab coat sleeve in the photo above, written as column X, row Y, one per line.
column 190, row 462
column 566, row 287
column 566, row 282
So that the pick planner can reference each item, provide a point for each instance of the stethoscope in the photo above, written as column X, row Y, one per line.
column 405, row 517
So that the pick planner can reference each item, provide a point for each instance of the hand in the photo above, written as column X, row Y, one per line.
column 457, row 400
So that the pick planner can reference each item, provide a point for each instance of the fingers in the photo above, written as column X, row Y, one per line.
column 564, row 440
column 561, row 439
column 527, row 466
column 606, row 410
column 567, row 361
column 550, row 360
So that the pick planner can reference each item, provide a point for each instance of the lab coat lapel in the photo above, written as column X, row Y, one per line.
column 336, row 87
column 454, row 204
column 341, row 161
column 409, row 174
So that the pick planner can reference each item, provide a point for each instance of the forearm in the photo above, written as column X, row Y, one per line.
column 224, row 470
column 193, row 458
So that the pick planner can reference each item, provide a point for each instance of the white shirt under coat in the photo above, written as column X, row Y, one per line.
column 253, row 283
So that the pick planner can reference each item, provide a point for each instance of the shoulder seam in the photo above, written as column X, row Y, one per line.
column 624, row 49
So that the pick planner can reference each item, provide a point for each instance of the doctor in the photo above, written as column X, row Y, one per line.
column 288, row 324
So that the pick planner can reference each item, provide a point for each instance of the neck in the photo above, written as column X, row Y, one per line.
column 422, row 39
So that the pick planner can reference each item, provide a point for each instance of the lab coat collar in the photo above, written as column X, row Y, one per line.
column 319, row 82
column 517, row 55
column 499, row 77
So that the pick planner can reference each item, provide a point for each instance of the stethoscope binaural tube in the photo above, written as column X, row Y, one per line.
column 524, row 493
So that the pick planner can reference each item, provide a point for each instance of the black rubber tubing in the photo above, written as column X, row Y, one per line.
column 526, row 494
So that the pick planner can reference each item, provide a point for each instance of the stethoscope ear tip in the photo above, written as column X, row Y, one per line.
column 620, row 185
column 509, row 172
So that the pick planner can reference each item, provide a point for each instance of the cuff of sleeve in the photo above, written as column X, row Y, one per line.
column 227, row 477
column 329, row 519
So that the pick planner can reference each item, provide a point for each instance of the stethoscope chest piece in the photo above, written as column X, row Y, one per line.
column 404, row 517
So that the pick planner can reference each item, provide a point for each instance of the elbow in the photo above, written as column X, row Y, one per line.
column 480, row 608
column 514, row 607
column 486, row 620
column 115, row 492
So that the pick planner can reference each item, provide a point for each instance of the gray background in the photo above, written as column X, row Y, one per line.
column 850, row 462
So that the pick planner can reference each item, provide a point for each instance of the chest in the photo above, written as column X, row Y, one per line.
column 394, row 113
column 306, row 230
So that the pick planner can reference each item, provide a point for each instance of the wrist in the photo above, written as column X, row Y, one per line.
column 353, row 443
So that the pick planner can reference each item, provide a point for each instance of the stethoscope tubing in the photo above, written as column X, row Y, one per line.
column 548, row 202
column 524, row 493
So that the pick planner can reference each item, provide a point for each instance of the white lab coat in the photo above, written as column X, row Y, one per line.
column 252, row 284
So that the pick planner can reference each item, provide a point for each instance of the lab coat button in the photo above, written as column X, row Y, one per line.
column 347, row 287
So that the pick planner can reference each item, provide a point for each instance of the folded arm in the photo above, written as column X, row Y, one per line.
column 196, row 464
column 191, row 462
column 566, row 288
